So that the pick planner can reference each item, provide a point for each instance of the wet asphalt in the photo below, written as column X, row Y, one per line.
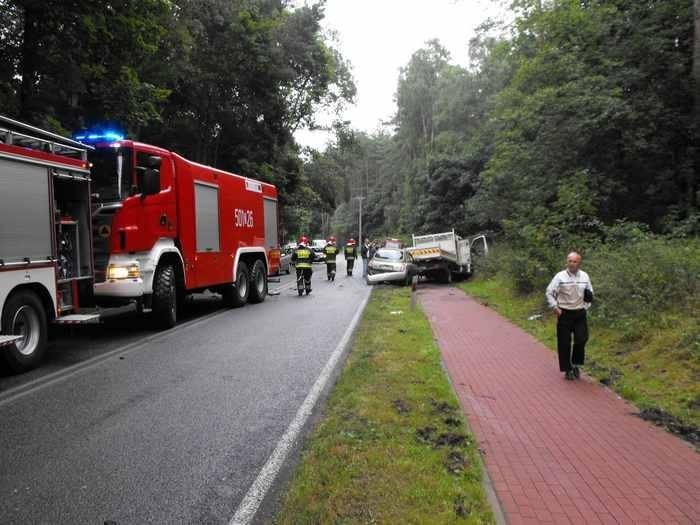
column 126, row 425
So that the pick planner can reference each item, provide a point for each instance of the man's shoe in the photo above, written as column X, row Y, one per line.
column 569, row 375
column 577, row 372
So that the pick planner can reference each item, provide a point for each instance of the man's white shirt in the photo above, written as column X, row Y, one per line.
column 566, row 290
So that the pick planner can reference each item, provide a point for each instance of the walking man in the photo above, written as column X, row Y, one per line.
column 365, row 254
column 570, row 294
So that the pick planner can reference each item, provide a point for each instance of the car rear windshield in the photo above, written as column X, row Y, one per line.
column 389, row 255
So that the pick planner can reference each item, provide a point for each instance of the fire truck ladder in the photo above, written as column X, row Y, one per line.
column 17, row 133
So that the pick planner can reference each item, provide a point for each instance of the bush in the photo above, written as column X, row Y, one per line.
column 642, row 278
column 635, row 275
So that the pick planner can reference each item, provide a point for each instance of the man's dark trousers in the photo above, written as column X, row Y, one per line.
column 571, row 322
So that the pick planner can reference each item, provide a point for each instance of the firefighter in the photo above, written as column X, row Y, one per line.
column 350, row 254
column 303, row 258
column 331, row 251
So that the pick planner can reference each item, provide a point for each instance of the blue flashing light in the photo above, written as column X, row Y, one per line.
column 99, row 136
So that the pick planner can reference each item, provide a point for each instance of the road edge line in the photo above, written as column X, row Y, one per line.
column 250, row 504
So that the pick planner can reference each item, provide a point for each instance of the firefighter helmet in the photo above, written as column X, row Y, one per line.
column 303, row 241
column 331, row 238
column 352, row 242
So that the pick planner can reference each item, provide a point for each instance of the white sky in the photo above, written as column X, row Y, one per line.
column 378, row 37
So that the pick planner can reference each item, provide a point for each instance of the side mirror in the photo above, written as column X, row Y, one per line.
column 152, row 162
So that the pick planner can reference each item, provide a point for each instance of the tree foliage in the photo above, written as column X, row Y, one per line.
column 224, row 82
column 581, row 115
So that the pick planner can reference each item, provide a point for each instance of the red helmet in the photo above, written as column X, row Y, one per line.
column 331, row 239
column 352, row 242
column 304, row 240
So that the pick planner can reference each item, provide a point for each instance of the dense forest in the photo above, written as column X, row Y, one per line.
column 220, row 81
column 570, row 117
column 573, row 116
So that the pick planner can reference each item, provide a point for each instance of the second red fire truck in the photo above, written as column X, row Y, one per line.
column 165, row 226
column 116, row 222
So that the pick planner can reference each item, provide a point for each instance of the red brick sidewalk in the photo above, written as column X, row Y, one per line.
column 557, row 451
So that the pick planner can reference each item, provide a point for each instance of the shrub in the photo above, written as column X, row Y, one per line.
column 635, row 275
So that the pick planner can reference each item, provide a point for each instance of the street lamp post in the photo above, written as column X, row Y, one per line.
column 359, row 240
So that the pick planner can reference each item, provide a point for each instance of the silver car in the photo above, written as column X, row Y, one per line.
column 391, row 265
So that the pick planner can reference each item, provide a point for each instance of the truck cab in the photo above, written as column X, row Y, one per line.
column 134, row 214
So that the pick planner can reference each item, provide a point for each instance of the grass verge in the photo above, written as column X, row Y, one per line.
column 655, row 365
column 392, row 446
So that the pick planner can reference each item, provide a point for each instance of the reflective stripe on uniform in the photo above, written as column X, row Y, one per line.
column 304, row 258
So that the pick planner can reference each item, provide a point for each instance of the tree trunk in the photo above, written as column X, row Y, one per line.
column 29, row 67
column 692, row 183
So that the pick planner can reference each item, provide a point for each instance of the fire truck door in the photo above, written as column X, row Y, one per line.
column 159, row 217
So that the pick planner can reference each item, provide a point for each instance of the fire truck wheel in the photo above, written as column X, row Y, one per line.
column 24, row 315
column 165, row 297
column 236, row 294
column 258, row 282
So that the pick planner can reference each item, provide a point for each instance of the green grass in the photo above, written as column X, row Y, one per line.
column 652, row 363
column 380, row 455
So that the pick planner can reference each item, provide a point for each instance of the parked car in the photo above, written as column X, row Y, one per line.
column 286, row 262
column 391, row 265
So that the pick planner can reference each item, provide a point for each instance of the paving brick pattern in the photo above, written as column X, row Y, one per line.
column 557, row 451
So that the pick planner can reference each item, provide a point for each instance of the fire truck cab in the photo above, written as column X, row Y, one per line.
column 46, row 266
column 165, row 226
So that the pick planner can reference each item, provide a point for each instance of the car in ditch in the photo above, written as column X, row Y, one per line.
column 318, row 246
column 391, row 265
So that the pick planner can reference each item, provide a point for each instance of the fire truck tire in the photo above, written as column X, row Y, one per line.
column 165, row 297
column 258, row 282
column 24, row 315
column 236, row 294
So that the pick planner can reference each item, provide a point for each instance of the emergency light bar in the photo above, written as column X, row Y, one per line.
column 99, row 136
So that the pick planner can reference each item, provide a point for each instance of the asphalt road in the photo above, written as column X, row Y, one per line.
column 128, row 425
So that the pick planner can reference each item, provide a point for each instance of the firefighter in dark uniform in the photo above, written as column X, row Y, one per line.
column 350, row 254
column 331, row 251
column 303, row 258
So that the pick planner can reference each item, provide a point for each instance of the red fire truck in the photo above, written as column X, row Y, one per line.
column 46, row 265
column 115, row 222
column 165, row 226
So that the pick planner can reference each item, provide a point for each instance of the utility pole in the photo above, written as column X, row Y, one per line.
column 359, row 240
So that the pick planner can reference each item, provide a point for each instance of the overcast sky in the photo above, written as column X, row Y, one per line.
column 378, row 37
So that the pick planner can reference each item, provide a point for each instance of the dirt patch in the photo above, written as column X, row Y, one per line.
column 426, row 434
column 612, row 377
column 671, row 423
column 450, row 439
column 401, row 406
column 453, row 422
column 462, row 508
column 456, row 463
column 442, row 407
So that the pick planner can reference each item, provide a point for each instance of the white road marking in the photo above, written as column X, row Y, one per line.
column 256, row 493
